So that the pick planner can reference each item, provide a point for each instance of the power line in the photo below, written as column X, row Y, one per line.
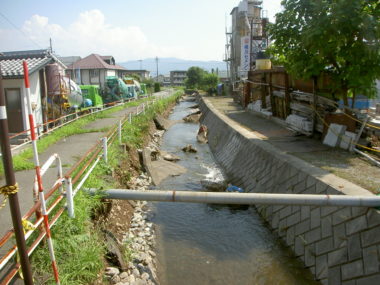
column 25, row 35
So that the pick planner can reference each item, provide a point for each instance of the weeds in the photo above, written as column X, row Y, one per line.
column 78, row 244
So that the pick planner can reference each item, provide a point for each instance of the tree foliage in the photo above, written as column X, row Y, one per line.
column 194, row 77
column 198, row 78
column 337, row 37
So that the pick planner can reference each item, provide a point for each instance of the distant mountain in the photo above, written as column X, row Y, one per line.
column 165, row 65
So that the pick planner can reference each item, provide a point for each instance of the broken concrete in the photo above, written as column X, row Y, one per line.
column 160, row 169
column 193, row 117
column 334, row 135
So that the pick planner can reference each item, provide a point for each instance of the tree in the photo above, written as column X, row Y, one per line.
column 337, row 37
column 194, row 77
column 209, row 82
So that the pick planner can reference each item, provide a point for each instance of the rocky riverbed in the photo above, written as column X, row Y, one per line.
column 139, row 240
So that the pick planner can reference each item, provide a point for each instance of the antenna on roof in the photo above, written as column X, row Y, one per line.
column 51, row 46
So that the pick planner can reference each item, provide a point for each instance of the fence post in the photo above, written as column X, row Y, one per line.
column 105, row 149
column 137, row 110
column 59, row 171
column 69, row 197
column 119, row 131
column 130, row 118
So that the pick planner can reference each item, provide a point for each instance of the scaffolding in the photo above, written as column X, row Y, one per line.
column 248, row 20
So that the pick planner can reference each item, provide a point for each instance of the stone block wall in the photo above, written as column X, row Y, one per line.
column 339, row 245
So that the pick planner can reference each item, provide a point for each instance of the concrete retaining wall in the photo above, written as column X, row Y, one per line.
column 338, row 245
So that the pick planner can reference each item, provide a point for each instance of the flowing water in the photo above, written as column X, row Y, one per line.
column 208, row 244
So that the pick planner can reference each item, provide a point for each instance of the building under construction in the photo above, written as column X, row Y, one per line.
column 246, row 39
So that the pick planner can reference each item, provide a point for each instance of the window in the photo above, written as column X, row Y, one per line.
column 94, row 73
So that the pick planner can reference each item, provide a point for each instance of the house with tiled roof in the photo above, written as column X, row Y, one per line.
column 13, row 85
column 93, row 70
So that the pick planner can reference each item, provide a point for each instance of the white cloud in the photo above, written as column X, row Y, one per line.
column 90, row 33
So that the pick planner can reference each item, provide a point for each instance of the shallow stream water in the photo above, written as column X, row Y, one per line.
column 208, row 244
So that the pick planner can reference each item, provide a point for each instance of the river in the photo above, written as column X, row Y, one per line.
column 208, row 244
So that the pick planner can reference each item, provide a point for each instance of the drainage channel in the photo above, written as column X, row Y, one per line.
column 214, row 244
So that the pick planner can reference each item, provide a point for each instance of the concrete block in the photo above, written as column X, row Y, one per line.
column 324, row 246
column 310, row 255
column 302, row 227
column 339, row 236
column 290, row 236
column 299, row 246
column 333, row 135
column 293, row 219
column 349, row 282
column 341, row 216
column 358, row 211
column 356, row 225
column 285, row 212
column 371, row 260
column 299, row 187
column 373, row 217
column 311, row 181
column 315, row 217
column 333, row 191
column 296, row 209
column 326, row 226
column 354, row 247
column 313, row 235
column 321, row 268
column 351, row 270
column 347, row 139
column 337, row 257
column 370, row 280
column 334, row 276
column 328, row 210
column 370, row 237
column 320, row 187
column 305, row 212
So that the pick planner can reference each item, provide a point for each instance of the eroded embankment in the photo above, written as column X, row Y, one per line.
column 337, row 244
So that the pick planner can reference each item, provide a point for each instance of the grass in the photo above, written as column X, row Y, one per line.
column 23, row 161
column 79, row 247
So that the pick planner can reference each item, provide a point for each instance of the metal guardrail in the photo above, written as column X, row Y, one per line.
column 87, row 164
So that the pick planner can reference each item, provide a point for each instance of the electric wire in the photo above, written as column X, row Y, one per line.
column 25, row 35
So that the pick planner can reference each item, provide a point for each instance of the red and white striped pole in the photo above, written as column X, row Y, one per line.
column 38, row 173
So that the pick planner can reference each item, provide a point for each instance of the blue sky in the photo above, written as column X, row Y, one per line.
column 129, row 30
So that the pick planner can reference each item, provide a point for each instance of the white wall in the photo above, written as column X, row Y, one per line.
column 35, row 97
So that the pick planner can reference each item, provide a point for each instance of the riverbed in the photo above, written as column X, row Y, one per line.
column 208, row 244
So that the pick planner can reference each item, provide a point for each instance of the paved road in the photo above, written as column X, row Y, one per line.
column 70, row 149
column 275, row 134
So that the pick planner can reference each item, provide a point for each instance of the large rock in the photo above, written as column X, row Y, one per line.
column 169, row 156
column 189, row 148
column 202, row 134
column 214, row 185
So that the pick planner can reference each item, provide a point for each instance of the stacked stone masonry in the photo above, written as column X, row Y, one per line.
column 339, row 245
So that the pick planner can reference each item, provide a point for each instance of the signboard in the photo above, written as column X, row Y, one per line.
column 245, row 60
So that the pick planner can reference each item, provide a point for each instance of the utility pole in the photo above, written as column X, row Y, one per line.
column 157, row 68
column 51, row 45
column 140, row 60
column 10, row 180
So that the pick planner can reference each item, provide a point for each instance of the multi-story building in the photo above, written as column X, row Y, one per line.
column 246, row 38
column 177, row 77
